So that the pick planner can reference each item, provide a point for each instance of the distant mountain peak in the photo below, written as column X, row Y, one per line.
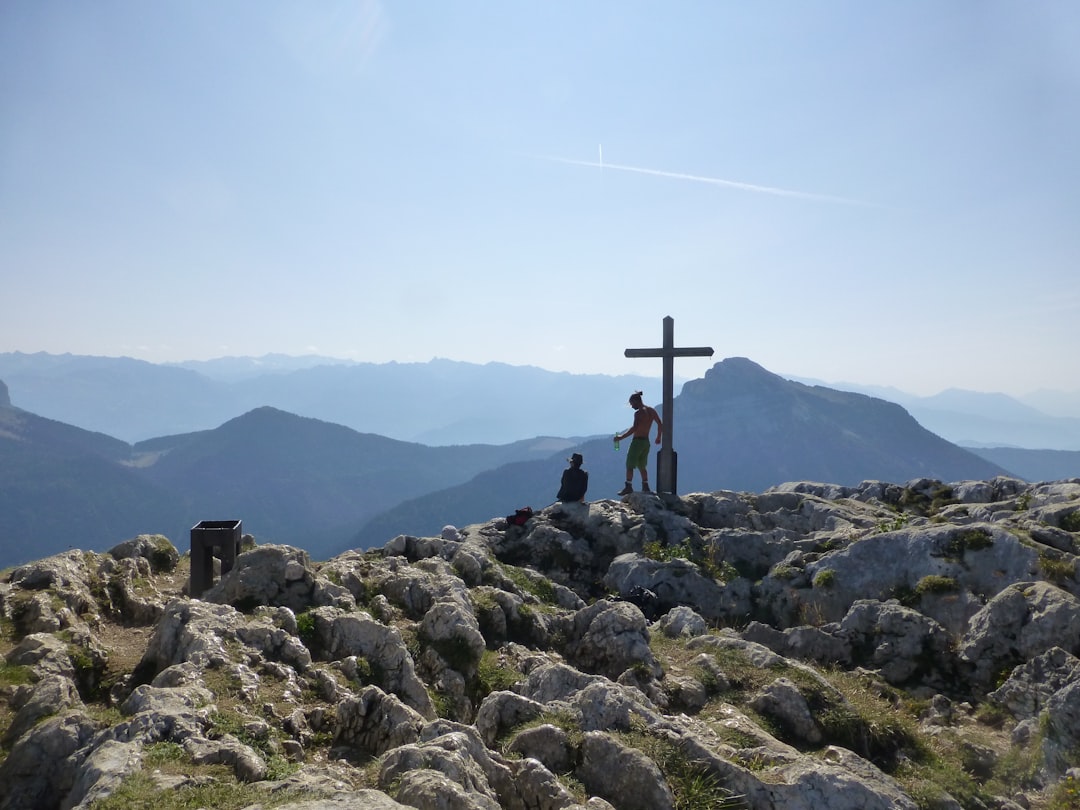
column 735, row 373
column 5, row 398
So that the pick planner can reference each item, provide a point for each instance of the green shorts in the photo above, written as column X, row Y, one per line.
column 637, row 457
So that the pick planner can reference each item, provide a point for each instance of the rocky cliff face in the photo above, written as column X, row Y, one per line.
column 811, row 646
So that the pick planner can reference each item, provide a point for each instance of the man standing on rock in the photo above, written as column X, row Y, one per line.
column 638, row 454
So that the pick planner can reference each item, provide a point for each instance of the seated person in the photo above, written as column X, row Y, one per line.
column 575, row 481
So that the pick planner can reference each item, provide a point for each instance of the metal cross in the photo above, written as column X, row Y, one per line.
column 665, row 462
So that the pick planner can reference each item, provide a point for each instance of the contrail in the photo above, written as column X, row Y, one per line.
column 716, row 181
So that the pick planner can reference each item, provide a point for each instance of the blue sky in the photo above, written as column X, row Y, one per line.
column 882, row 193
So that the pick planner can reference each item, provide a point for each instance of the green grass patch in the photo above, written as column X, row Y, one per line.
column 539, row 586
column 1057, row 569
column 825, row 578
column 967, row 540
column 693, row 785
column 212, row 786
column 492, row 676
column 935, row 583
column 15, row 674
column 1070, row 522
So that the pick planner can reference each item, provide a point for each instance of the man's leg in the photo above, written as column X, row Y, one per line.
column 629, row 486
column 645, row 479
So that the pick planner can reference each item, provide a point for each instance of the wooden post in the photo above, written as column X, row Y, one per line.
column 665, row 462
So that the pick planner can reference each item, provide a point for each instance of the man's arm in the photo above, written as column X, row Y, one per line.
column 659, row 425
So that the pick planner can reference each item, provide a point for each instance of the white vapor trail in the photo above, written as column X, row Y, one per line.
column 716, row 181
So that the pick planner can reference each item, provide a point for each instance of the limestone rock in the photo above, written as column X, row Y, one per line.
column 608, row 637
column 102, row 772
column 1021, row 622
column 38, row 770
column 622, row 775
column 276, row 575
column 341, row 635
column 552, row 685
column 50, row 695
column 675, row 582
column 1062, row 729
column 1031, row 685
column 682, row 621
column 374, row 722
column 897, row 641
column 782, row 701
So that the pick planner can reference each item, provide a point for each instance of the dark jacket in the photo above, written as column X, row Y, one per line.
column 575, row 483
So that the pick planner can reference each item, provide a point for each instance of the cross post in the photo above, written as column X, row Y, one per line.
column 665, row 461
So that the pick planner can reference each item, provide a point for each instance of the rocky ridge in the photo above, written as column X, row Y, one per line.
column 810, row 646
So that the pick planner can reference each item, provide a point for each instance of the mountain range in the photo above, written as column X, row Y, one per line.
column 438, row 402
column 327, row 487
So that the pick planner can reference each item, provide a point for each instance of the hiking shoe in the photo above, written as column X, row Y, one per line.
column 645, row 488
column 626, row 490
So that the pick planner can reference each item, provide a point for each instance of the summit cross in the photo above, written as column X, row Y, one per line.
column 666, row 472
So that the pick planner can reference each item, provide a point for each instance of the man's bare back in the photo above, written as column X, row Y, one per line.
column 643, row 420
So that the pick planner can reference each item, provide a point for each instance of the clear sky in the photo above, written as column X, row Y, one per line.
column 884, row 193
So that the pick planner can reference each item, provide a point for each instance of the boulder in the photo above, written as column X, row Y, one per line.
column 897, row 641
column 276, row 575
column 682, row 621
column 1021, row 622
column 676, row 582
column 341, row 635
column 623, row 775
column 783, row 702
column 39, row 770
column 608, row 637
column 374, row 722
column 1031, row 685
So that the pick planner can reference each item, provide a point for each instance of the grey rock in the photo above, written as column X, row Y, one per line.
column 782, row 701
column 823, row 645
column 899, row 642
column 501, row 711
column 52, row 694
column 608, row 637
column 341, row 635
column 1021, row 622
column 1031, row 685
column 101, row 773
column 44, row 653
column 452, row 628
column 373, row 722
column 1062, row 730
column 622, row 775
column 39, row 770
column 429, row 789
column 675, row 582
column 366, row 799
column 276, row 575
column 547, row 743
column 682, row 621
column 154, row 548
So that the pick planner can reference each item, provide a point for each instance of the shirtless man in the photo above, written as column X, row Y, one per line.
column 638, row 454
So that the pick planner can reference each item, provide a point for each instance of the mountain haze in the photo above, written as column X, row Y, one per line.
column 440, row 402
column 1043, row 420
column 62, row 487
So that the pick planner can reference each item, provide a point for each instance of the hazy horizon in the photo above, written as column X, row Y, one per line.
column 846, row 191
column 680, row 379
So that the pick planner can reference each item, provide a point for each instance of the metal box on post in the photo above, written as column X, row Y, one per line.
column 209, row 539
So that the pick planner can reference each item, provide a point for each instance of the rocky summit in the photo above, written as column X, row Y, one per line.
column 810, row 646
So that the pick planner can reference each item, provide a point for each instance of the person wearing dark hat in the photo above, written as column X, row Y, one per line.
column 575, row 481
